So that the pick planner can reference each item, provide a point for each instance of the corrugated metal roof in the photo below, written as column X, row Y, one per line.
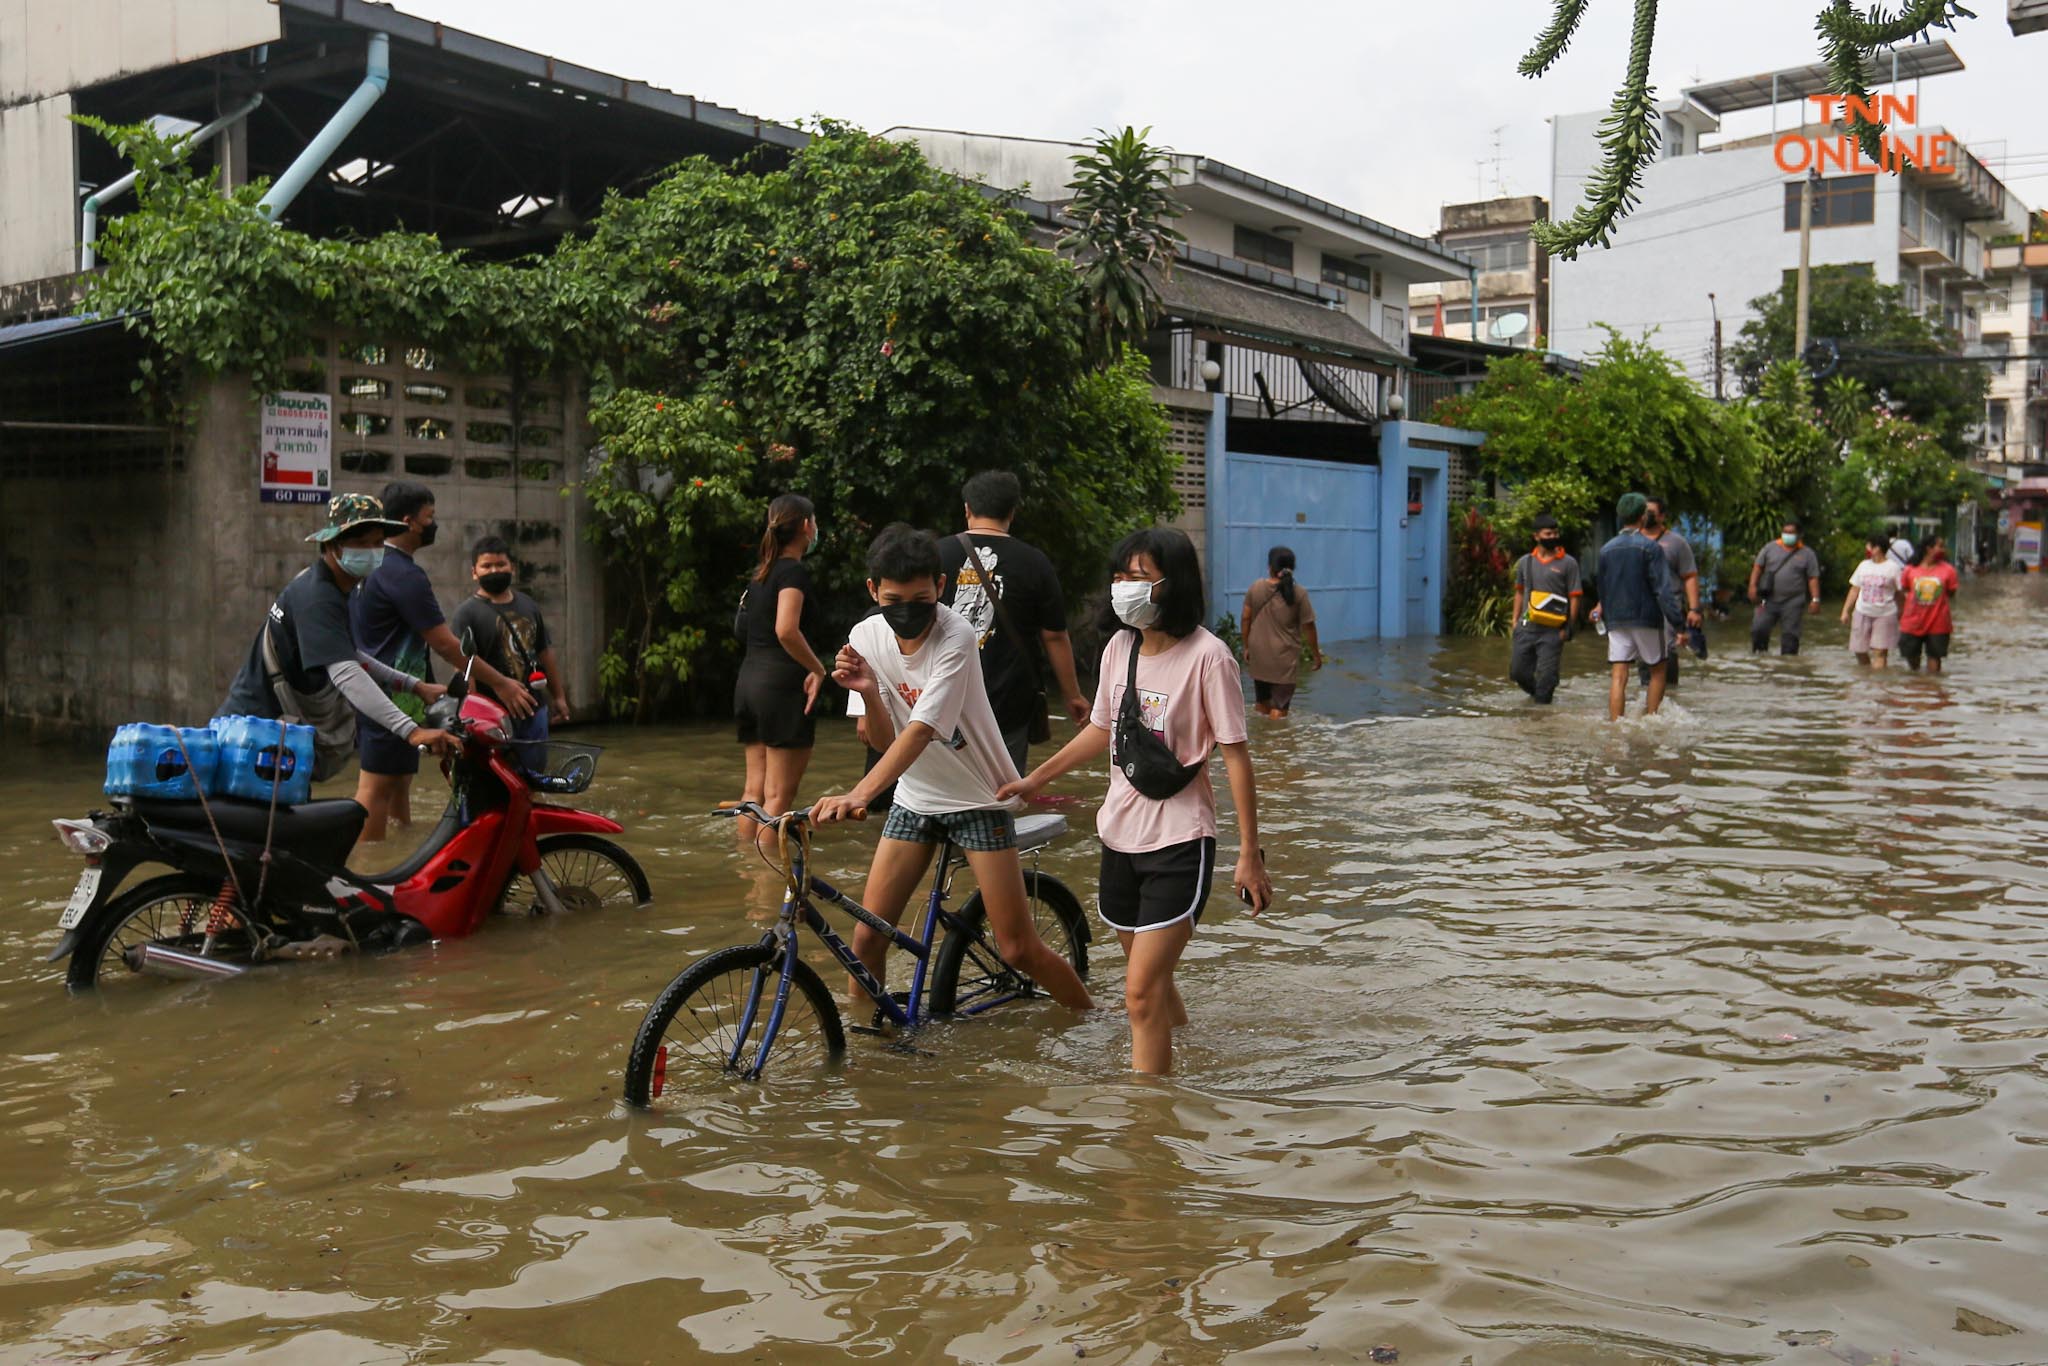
column 1200, row 297
column 539, row 67
column 27, row 334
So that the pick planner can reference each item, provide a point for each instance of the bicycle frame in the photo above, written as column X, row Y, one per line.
column 798, row 913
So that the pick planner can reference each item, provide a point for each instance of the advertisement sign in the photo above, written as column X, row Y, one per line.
column 2026, row 544
column 298, row 446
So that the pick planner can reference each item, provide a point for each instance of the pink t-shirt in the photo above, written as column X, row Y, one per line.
column 1192, row 699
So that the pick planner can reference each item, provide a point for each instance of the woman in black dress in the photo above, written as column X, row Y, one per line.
column 780, row 677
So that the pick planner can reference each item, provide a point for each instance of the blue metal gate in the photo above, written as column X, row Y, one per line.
column 1371, row 542
column 1327, row 513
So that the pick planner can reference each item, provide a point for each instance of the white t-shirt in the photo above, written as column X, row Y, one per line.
column 940, row 685
column 1877, row 582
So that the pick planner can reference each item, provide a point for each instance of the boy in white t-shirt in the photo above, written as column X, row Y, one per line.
column 1872, row 607
column 917, row 668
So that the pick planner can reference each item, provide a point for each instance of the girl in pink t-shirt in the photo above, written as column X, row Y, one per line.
column 1159, row 853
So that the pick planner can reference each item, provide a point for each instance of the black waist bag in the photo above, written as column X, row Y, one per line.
column 1142, row 757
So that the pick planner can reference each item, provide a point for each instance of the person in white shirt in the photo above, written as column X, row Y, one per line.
column 1872, row 607
column 917, row 668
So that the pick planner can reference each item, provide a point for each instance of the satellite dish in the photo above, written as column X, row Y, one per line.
column 1509, row 326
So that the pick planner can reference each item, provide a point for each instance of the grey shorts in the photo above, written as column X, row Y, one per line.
column 986, row 831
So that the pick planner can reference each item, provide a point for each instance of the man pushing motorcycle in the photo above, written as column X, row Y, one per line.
column 304, row 667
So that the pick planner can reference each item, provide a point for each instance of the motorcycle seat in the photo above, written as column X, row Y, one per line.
column 1035, row 832
column 319, row 832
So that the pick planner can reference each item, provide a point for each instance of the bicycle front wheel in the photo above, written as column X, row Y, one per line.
column 969, row 976
column 712, row 1022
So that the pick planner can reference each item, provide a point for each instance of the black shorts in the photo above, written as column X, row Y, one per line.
column 1153, row 890
column 770, row 711
column 383, row 753
column 1936, row 647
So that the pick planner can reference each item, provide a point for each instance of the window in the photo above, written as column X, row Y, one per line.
column 1995, row 423
column 1838, row 202
column 1249, row 244
column 1338, row 271
column 1860, row 270
column 1497, row 251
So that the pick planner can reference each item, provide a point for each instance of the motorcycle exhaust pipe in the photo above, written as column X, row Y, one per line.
column 160, row 961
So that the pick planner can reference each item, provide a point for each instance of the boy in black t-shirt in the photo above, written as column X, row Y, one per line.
column 506, row 630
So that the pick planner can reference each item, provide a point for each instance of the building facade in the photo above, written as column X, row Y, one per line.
column 1718, row 224
column 1513, row 275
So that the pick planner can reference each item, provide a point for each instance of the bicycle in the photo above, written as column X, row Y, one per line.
column 726, row 1014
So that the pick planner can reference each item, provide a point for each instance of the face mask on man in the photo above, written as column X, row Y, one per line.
column 495, row 584
column 1790, row 538
column 1133, row 605
column 909, row 620
column 360, row 563
column 428, row 533
column 1550, row 545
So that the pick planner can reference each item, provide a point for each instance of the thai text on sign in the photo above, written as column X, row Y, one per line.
column 298, row 442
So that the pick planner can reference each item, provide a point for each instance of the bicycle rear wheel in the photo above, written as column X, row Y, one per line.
column 969, row 976
column 708, row 1025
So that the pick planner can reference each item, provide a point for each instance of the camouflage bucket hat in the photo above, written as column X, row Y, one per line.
column 347, row 511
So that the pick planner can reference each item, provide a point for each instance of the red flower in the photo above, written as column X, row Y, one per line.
column 888, row 348
column 657, row 406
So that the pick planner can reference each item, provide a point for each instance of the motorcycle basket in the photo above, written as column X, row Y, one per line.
column 559, row 766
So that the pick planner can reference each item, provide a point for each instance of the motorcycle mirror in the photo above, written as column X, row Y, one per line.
column 468, row 644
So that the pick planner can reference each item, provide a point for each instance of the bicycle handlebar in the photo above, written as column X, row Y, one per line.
column 753, row 811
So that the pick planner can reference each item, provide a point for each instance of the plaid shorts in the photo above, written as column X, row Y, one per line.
column 986, row 831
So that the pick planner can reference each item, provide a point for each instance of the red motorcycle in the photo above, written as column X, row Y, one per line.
column 257, row 884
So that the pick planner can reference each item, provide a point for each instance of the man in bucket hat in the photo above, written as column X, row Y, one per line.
column 304, row 667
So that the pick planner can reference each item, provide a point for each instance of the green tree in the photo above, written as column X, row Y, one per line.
column 1796, row 454
column 1121, row 236
column 1632, row 420
column 880, row 331
column 1850, row 36
column 1890, row 349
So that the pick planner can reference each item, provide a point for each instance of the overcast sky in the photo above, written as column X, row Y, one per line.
column 1387, row 108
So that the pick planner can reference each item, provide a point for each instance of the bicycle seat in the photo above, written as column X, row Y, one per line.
column 1035, row 832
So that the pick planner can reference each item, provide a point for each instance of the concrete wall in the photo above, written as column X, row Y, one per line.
column 137, row 598
column 49, row 47
column 38, row 190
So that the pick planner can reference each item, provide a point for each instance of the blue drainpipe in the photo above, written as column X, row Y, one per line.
column 376, row 76
column 89, row 231
column 1472, row 274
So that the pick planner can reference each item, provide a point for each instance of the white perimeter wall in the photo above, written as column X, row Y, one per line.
column 1708, row 222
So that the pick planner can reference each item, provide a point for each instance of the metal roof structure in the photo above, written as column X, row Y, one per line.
column 1799, row 82
column 489, row 146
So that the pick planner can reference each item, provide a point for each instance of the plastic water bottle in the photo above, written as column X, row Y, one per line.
column 1599, row 621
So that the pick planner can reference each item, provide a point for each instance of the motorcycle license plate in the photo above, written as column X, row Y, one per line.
column 81, row 898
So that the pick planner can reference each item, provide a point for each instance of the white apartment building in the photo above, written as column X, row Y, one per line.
column 2015, row 323
column 1720, row 218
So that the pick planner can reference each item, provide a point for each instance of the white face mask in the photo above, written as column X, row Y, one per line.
column 1133, row 605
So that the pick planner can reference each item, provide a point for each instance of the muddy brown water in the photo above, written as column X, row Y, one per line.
column 1714, row 1039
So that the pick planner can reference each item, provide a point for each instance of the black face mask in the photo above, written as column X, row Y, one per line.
column 909, row 620
column 1551, row 545
column 428, row 533
column 494, row 584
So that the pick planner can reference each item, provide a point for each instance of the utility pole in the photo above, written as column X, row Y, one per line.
column 1716, row 308
column 1802, row 305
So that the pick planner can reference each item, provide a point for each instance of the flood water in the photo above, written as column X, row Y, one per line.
column 1714, row 1039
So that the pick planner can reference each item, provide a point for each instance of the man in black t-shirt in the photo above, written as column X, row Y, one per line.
column 1024, row 579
